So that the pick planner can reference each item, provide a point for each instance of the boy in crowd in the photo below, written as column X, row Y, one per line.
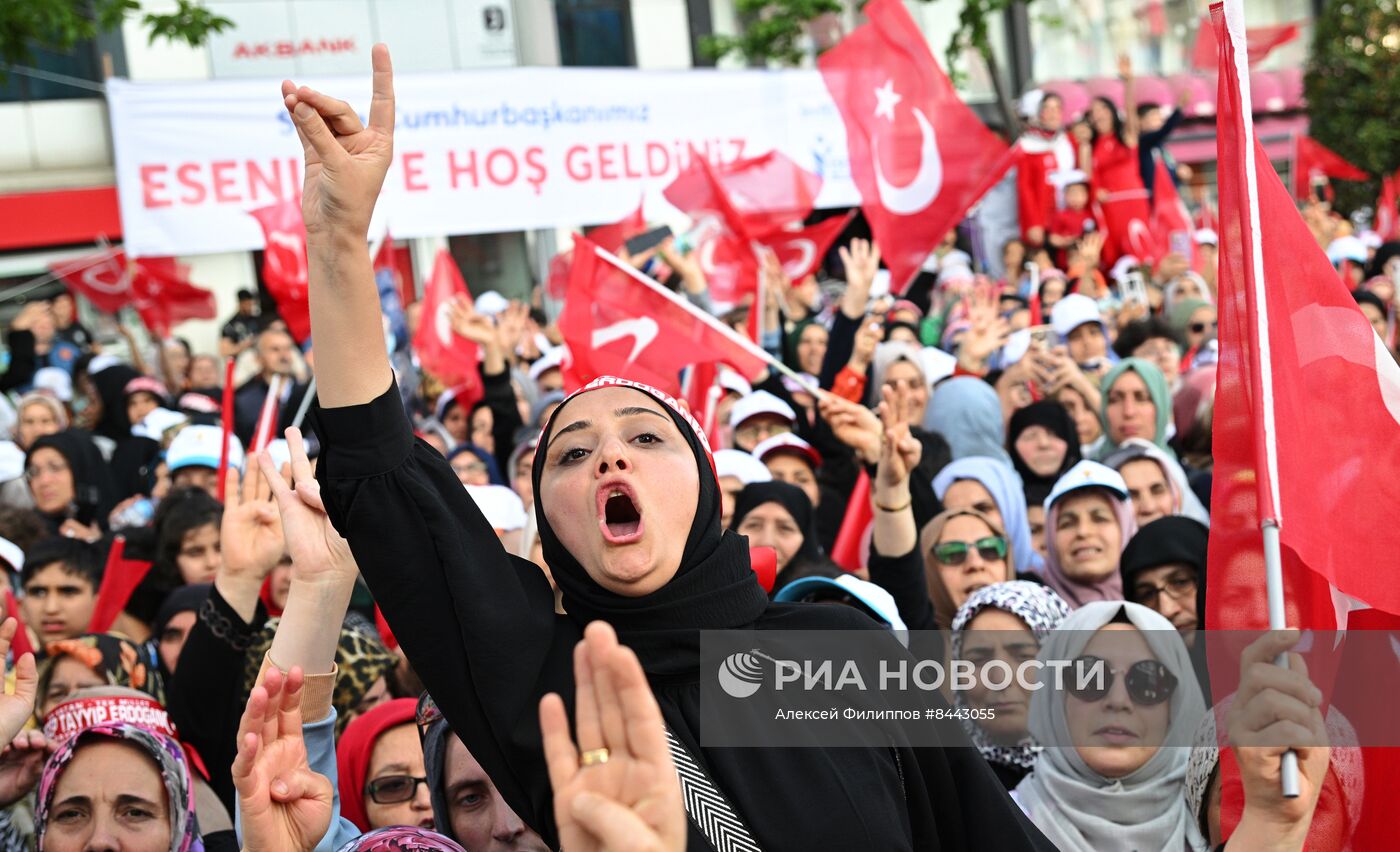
column 60, row 578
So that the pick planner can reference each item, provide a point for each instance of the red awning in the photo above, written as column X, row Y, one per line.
column 39, row 219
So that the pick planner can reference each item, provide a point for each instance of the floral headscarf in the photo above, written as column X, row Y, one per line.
column 401, row 838
column 170, row 760
column 113, row 658
column 1042, row 610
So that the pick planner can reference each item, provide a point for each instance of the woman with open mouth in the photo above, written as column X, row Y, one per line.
column 628, row 509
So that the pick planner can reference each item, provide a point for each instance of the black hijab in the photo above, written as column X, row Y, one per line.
column 714, row 588
column 93, row 492
column 809, row 556
column 111, row 389
column 1173, row 540
column 1056, row 418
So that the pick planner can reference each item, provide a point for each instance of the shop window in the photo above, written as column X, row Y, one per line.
column 595, row 33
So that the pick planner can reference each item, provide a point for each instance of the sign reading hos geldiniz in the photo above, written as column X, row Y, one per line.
column 72, row 717
column 483, row 151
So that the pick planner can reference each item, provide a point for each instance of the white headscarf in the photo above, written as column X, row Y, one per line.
column 1082, row 811
column 1188, row 504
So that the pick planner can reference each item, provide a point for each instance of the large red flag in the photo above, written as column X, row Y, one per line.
column 611, row 237
column 769, row 192
column 157, row 287
column 855, row 527
column 1312, row 160
column 1298, row 360
column 801, row 251
column 724, row 248
column 441, row 351
column 619, row 323
column 919, row 156
column 1387, row 224
column 285, row 268
column 1171, row 221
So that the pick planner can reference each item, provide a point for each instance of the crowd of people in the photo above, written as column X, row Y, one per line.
column 432, row 617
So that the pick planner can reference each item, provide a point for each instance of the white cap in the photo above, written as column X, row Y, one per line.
column 11, row 555
column 54, row 381
column 500, row 505
column 155, row 424
column 875, row 598
column 734, row 383
column 1087, row 474
column 102, row 362
column 1029, row 105
column 490, row 303
column 11, row 461
column 788, row 442
column 741, row 466
column 1068, row 177
column 938, row 365
column 760, row 402
column 1346, row 248
column 1017, row 345
column 1371, row 239
column 1207, row 237
column 551, row 360
column 199, row 445
column 1072, row 311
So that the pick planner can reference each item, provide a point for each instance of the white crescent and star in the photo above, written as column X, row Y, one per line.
column 642, row 330
column 442, row 322
column 919, row 193
column 807, row 252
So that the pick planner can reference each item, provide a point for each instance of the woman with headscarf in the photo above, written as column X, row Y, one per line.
column 70, row 483
column 991, row 487
column 1043, row 443
column 806, row 347
column 1088, row 522
column 967, row 413
column 1136, row 404
column 127, row 768
column 1122, row 789
column 1004, row 621
column 1164, row 569
column 474, row 466
column 779, row 515
column 1156, row 483
column 379, row 769
column 963, row 551
column 38, row 414
column 628, row 509
column 95, row 659
column 401, row 838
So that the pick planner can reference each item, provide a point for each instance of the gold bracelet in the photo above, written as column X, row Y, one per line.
column 892, row 509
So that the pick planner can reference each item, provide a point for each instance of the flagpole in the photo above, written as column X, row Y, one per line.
column 305, row 406
column 753, row 348
column 1270, row 523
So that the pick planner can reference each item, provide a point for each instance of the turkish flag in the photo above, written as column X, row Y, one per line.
column 620, row 323
column 120, row 578
column 157, row 287
column 1259, row 41
column 1171, row 221
column 285, row 269
column 847, row 551
column 1312, row 159
column 919, row 156
column 451, row 358
column 702, row 393
column 1387, row 224
column 1127, row 218
column 770, row 192
column 611, row 237
column 1298, row 363
column 723, row 246
column 801, row 251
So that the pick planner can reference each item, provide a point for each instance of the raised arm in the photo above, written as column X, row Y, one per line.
column 1130, row 116
column 345, row 167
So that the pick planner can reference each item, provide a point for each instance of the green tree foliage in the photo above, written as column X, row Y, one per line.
column 1353, row 90
column 60, row 24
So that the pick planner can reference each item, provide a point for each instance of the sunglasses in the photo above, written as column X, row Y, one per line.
column 1200, row 327
column 1148, row 682
column 392, row 789
column 954, row 553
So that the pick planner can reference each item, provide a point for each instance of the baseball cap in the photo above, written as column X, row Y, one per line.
column 1346, row 248
column 1087, row 474
column 742, row 466
column 875, row 601
column 551, row 360
column 734, row 383
column 1207, row 237
column 760, row 402
column 937, row 364
column 147, row 384
column 501, row 506
column 11, row 555
column 246, row 295
column 55, row 381
column 199, row 446
column 790, row 444
column 490, row 303
column 1072, row 311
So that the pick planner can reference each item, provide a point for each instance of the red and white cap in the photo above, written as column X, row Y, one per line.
column 147, row 384
column 76, row 715
column 787, row 444
column 1087, row 474
column 657, row 394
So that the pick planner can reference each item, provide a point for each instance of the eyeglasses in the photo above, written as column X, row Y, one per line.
column 470, row 467
column 762, row 431
column 34, row 472
column 1200, row 327
column 426, row 714
column 392, row 789
column 954, row 553
column 1148, row 682
column 1178, row 586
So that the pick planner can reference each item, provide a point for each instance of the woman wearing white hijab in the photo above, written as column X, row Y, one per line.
column 1120, row 786
column 1183, row 500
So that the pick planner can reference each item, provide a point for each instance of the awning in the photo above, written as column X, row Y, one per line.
column 38, row 219
column 1196, row 144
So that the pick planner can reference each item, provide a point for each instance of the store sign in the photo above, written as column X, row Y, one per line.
column 474, row 152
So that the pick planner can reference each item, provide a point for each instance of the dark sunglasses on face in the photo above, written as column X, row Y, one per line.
column 1148, row 682
column 1200, row 327
column 954, row 553
column 393, row 789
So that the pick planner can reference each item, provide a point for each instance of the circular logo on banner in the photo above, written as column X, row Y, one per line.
column 740, row 675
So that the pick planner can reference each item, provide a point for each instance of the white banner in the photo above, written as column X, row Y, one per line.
column 474, row 151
